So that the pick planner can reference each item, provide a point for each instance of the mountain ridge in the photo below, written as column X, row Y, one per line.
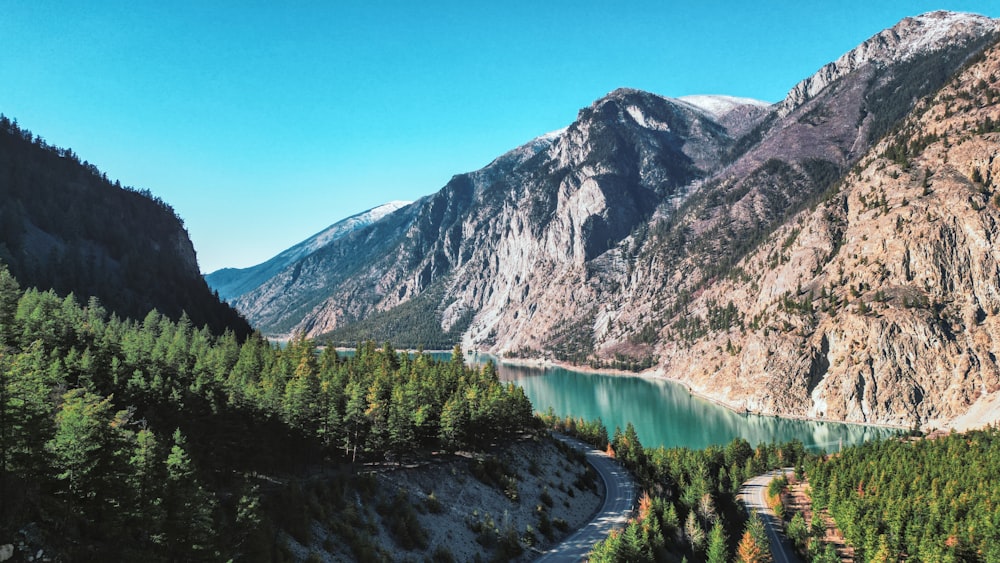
column 593, row 245
column 233, row 282
column 64, row 226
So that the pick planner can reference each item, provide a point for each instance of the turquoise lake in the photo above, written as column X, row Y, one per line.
column 665, row 413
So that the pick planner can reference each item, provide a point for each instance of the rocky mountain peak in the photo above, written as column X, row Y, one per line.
column 907, row 39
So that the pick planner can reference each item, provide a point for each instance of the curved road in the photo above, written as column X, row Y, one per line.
column 752, row 493
column 619, row 500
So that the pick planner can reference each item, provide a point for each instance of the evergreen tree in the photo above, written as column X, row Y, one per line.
column 146, row 479
column 717, row 551
column 749, row 551
column 694, row 531
column 10, row 293
column 187, row 508
column 88, row 450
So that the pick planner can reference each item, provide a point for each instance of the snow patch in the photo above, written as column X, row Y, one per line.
column 338, row 230
column 551, row 135
column 717, row 105
column 937, row 28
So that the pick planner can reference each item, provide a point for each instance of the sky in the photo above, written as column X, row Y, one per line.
column 262, row 123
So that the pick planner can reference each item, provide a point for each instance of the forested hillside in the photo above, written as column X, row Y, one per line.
column 157, row 440
column 65, row 226
column 689, row 510
column 922, row 500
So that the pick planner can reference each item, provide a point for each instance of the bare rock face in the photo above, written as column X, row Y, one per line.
column 910, row 38
column 786, row 259
column 879, row 305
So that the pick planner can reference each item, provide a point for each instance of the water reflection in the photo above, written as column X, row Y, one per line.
column 664, row 413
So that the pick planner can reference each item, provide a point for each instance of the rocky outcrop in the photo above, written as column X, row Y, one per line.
column 687, row 234
column 881, row 304
column 911, row 37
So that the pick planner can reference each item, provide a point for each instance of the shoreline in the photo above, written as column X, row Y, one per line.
column 656, row 374
column 652, row 374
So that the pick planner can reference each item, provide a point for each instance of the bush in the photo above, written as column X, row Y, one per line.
column 546, row 498
column 442, row 555
column 432, row 504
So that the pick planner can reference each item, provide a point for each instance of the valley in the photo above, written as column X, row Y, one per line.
column 646, row 308
column 791, row 259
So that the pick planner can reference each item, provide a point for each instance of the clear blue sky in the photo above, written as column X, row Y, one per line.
column 264, row 122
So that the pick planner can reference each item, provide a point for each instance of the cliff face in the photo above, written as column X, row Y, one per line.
column 539, row 211
column 881, row 304
column 660, row 232
column 64, row 226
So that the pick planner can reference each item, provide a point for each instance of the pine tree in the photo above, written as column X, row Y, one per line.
column 89, row 451
column 454, row 421
column 749, row 551
column 187, row 507
column 301, row 400
column 146, row 479
column 10, row 294
column 694, row 531
column 717, row 551
column 758, row 535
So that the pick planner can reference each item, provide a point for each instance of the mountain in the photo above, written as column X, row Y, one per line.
column 64, row 226
column 233, row 282
column 625, row 239
column 881, row 302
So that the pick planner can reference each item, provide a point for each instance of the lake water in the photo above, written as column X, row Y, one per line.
column 665, row 413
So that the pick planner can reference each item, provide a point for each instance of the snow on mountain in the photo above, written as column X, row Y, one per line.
column 718, row 106
column 902, row 42
column 233, row 282
column 339, row 229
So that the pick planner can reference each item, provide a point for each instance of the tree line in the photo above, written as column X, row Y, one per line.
column 155, row 439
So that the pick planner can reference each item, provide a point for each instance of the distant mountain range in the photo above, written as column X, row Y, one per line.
column 829, row 255
column 233, row 282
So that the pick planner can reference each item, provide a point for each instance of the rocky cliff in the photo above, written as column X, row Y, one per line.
column 627, row 240
column 879, row 304
column 64, row 226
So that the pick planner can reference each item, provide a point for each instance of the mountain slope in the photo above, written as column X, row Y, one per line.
column 233, row 282
column 568, row 196
column 881, row 303
column 64, row 226
column 599, row 244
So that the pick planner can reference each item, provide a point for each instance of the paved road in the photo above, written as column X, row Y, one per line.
column 752, row 493
column 619, row 500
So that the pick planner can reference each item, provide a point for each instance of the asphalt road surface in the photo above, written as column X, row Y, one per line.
column 752, row 493
column 619, row 500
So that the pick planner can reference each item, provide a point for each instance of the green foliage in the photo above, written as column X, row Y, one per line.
column 797, row 531
column 717, row 551
column 413, row 324
column 149, row 440
column 403, row 524
column 933, row 500
column 690, row 490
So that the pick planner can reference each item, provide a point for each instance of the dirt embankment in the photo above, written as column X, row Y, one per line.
column 507, row 505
